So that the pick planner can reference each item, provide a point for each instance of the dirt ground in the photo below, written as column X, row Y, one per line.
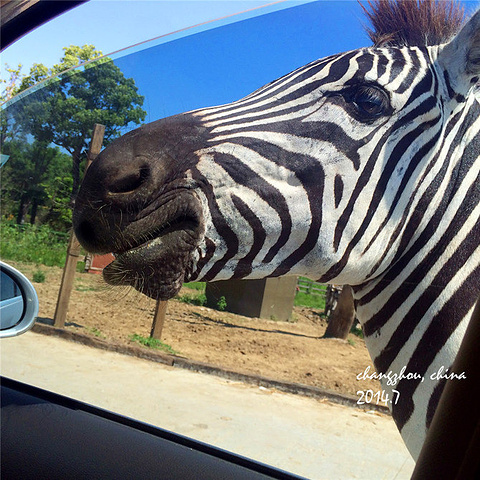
column 288, row 351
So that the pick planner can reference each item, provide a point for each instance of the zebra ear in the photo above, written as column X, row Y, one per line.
column 460, row 58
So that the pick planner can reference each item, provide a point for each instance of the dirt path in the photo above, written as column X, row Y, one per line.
column 293, row 352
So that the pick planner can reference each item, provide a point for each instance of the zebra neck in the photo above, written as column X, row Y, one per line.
column 415, row 314
column 414, row 320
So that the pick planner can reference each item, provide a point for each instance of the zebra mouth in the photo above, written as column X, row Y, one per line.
column 157, row 264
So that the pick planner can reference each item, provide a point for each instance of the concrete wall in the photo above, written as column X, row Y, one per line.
column 270, row 298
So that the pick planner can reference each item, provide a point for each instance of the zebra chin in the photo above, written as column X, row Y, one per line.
column 154, row 247
column 157, row 268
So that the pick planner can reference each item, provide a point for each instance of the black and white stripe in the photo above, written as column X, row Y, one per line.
column 361, row 168
column 297, row 182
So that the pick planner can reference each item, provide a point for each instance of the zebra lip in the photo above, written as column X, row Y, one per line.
column 156, row 267
column 156, row 249
column 180, row 215
column 184, row 227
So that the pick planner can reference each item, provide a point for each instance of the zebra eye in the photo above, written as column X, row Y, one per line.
column 369, row 102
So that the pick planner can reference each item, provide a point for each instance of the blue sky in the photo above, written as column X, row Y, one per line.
column 114, row 24
column 225, row 63
column 211, row 64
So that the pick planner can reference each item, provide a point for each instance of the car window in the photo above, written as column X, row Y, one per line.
column 47, row 128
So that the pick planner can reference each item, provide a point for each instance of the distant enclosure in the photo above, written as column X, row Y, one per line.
column 310, row 287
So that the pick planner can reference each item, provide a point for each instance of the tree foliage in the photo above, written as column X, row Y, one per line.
column 27, row 176
column 11, row 85
column 62, row 111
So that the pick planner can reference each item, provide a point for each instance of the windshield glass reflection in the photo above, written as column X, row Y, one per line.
column 46, row 131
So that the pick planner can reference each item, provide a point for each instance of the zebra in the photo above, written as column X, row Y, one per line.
column 361, row 168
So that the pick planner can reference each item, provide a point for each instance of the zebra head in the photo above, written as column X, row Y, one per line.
column 326, row 172
column 360, row 168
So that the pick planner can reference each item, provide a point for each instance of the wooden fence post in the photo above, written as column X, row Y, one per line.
column 158, row 319
column 343, row 316
column 73, row 251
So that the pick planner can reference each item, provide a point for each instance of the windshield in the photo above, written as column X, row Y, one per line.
column 253, row 384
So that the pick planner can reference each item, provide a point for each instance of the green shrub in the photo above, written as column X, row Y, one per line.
column 38, row 276
column 32, row 243
column 222, row 304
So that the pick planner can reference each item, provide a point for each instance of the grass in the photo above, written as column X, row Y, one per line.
column 358, row 332
column 150, row 342
column 196, row 286
column 194, row 299
column 86, row 288
column 199, row 300
column 303, row 299
column 31, row 243
column 97, row 332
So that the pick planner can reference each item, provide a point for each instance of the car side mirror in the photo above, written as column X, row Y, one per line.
column 18, row 302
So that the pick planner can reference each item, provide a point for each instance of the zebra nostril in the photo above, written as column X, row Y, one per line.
column 85, row 233
column 130, row 181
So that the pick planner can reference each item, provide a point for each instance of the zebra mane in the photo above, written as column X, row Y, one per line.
column 413, row 22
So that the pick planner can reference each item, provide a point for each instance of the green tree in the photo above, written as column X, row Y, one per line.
column 11, row 86
column 59, row 192
column 27, row 176
column 65, row 109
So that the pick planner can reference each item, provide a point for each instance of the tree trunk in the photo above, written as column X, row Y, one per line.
column 22, row 208
column 33, row 211
column 342, row 318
